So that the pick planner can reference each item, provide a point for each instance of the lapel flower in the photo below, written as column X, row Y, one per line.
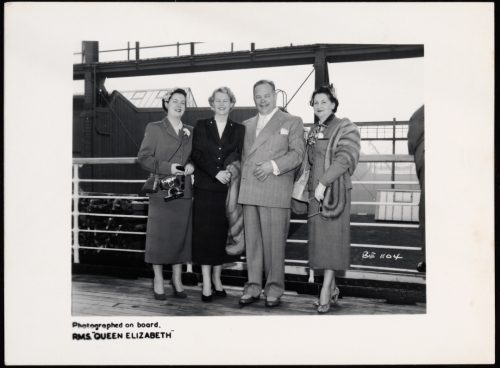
column 315, row 134
column 186, row 131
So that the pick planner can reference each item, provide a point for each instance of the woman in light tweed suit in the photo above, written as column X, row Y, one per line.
column 333, row 147
column 166, row 147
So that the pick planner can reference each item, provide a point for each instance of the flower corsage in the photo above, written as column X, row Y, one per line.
column 166, row 96
column 315, row 134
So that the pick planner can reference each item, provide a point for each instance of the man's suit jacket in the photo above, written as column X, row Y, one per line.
column 281, row 140
column 416, row 137
column 212, row 153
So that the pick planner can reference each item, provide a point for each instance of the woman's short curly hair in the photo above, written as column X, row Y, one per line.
column 328, row 90
column 225, row 90
column 168, row 96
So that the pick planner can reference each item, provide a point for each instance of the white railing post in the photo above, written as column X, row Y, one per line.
column 76, row 212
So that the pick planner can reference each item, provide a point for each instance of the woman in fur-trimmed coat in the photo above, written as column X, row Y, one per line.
column 333, row 147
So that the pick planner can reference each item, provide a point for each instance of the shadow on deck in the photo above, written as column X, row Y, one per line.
column 98, row 295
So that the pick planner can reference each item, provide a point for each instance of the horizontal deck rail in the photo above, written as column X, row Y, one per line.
column 291, row 264
column 133, row 160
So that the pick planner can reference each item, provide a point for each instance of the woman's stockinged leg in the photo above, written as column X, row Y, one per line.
column 176, row 277
column 326, row 289
column 207, row 285
column 158, row 279
column 216, row 278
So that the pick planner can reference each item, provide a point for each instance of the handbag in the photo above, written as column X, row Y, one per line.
column 300, row 190
column 152, row 184
column 300, row 193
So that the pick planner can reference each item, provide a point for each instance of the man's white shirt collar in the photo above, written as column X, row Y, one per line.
column 263, row 120
column 268, row 116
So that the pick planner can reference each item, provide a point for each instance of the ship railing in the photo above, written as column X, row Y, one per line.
column 291, row 266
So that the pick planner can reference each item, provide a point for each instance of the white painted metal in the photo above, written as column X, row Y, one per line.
column 292, row 266
column 76, row 189
column 111, row 215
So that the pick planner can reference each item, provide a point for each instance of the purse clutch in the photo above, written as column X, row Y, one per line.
column 300, row 190
column 300, row 186
column 152, row 184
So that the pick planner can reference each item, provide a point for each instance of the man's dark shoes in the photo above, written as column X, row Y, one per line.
column 248, row 299
column 272, row 302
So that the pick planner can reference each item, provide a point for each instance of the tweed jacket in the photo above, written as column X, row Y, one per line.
column 160, row 143
column 212, row 153
column 281, row 140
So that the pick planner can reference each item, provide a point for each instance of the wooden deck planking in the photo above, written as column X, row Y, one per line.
column 110, row 296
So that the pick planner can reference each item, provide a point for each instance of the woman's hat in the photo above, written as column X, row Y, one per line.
column 167, row 95
column 332, row 90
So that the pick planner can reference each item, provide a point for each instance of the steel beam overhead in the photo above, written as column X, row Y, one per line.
column 258, row 58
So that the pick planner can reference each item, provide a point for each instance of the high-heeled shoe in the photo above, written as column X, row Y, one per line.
column 159, row 296
column 219, row 293
column 206, row 298
column 333, row 300
column 178, row 294
column 335, row 296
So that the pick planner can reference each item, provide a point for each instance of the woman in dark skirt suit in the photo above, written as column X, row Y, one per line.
column 217, row 142
column 166, row 148
column 333, row 147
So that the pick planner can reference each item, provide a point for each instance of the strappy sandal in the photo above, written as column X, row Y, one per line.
column 324, row 308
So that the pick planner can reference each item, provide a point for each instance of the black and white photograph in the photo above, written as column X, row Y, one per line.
column 208, row 175
column 350, row 239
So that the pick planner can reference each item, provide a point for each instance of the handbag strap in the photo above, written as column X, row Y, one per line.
column 156, row 166
column 173, row 154
column 177, row 149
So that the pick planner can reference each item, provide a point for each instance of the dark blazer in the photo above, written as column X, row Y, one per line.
column 212, row 154
column 416, row 137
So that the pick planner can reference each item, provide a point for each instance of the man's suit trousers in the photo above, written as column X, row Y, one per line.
column 266, row 231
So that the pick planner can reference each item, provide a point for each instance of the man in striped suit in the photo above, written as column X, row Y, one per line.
column 273, row 148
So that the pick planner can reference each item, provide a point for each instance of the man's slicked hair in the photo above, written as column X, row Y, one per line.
column 265, row 81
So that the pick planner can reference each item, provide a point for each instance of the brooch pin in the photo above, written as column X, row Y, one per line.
column 315, row 134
